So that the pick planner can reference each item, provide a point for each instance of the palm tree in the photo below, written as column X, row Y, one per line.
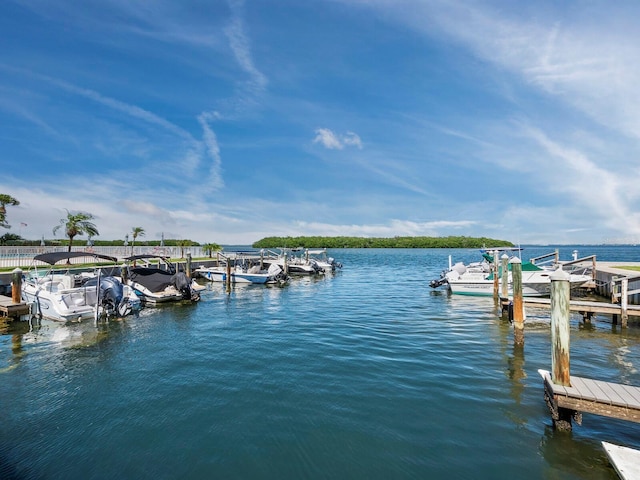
column 4, row 201
column 210, row 248
column 135, row 233
column 77, row 224
column 182, row 244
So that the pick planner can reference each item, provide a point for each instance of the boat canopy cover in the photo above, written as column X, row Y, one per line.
column 154, row 279
column 526, row 266
column 145, row 255
column 54, row 257
column 501, row 249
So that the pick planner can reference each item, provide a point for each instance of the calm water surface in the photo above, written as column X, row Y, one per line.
column 368, row 373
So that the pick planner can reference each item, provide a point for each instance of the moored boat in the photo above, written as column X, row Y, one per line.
column 243, row 274
column 155, row 280
column 321, row 259
column 61, row 295
column 477, row 278
column 291, row 263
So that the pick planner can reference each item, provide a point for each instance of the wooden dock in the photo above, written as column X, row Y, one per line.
column 592, row 396
column 585, row 306
column 10, row 309
column 625, row 460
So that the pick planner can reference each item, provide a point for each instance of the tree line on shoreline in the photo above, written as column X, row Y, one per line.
column 379, row 242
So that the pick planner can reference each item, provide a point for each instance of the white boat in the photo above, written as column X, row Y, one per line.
column 477, row 278
column 155, row 280
column 291, row 263
column 61, row 295
column 320, row 257
column 243, row 274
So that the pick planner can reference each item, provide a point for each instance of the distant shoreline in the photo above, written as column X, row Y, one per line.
column 381, row 242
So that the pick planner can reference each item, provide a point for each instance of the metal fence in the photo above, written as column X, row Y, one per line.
column 23, row 256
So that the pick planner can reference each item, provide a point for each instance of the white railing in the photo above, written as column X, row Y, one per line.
column 12, row 256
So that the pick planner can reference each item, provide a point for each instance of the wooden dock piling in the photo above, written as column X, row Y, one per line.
column 496, row 279
column 505, row 275
column 560, row 346
column 560, row 360
column 16, row 285
column 621, row 292
column 518, row 307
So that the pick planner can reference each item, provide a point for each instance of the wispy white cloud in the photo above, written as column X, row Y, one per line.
column 241, row 48
column 131, row 110
column 215, row 181
column 333, row 141
column 194, row 153
column 328, row 139
column 581, row 178
column 352, row 140
column 588, row 65
column 28, row 115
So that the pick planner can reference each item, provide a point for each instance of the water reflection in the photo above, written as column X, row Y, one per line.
column 579, row 458
column 16, row 331
column 516, row 373
column 32, row 330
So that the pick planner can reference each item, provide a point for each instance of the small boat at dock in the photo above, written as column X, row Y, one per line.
column 477, row 278
column 320, row 257
column 155, row 280
column 62, row 295
column 294, row 264
column 243, row 274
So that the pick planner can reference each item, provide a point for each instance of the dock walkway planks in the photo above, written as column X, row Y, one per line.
column 595, row 396
column 625, row 460
column 584, row 306
column 10, row 309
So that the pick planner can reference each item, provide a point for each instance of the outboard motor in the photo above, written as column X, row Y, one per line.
column 111, row 296
column 333, row 263
column 438, row 282
column 316, row 268
column 183, row 284
column 276, row 274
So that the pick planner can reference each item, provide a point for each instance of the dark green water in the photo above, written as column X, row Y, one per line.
column 368, row 373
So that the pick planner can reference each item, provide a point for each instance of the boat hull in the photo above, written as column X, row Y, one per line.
column 236, row 277
column 540, row 288
column 486, row 289
column 63, row 307
column 154, row 298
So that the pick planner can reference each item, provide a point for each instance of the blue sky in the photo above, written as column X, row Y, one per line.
column 228, row 121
